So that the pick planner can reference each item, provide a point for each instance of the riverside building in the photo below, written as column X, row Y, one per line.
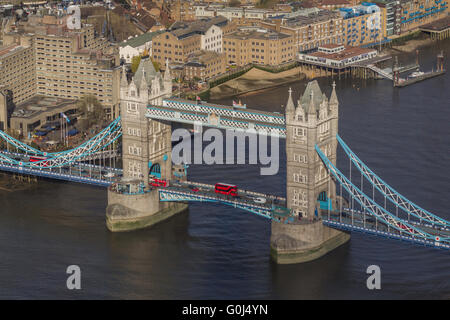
column 258, row 46
column 67, row 63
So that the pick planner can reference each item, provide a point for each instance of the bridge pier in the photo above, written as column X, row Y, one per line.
column 127, row 212
column 303, row 241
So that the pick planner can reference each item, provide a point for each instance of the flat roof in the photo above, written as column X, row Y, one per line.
column 438, row 25
column 257, row 34
column 39, row 104
column 8, row 50
column 348, row 52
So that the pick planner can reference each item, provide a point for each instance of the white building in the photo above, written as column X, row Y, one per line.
column 135, row 46
column 337, row 55
column 211, row 40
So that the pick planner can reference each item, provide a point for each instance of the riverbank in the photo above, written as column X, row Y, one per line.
column 410, row 46
column 257, row 80
column 9, row 183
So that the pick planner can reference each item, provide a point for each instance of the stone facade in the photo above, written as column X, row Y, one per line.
column 313, row 121
column 145, row 143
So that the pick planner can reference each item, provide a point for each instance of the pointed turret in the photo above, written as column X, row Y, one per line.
column 290, row 107
column 167, row 75
column 333, row 97
column 311, row 107
column 143, row 88
column 123, row 78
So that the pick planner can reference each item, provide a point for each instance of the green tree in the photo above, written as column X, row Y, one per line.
column 135, row 63
column 91, row 109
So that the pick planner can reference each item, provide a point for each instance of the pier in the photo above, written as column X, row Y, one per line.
column 438, row 30
column 403, row 82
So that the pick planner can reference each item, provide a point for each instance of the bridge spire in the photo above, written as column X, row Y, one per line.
column 333, row 98
column 123, row 78
column 290, row 107
column 311, row 106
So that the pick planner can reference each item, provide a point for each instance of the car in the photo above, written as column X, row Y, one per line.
column 110, row 174
column 260, row 200
column 193, row 188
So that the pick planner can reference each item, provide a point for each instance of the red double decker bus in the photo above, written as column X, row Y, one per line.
column 158, row 182
column 227, row 189
column 37, row 159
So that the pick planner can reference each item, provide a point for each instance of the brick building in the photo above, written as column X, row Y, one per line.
column 259, row 46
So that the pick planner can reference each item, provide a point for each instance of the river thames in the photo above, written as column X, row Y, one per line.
column 215, row 252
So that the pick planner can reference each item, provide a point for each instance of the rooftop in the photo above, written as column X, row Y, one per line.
column 346, row 53
column 200, row 58
column 39, row 104
column 257, row 33
column 183, row 29
column 311, row 17
column 6, row 51
column 140, row 40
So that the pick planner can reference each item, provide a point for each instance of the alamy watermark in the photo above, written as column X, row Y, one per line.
column 262, row 149
column 74, row 280
column 374, row 280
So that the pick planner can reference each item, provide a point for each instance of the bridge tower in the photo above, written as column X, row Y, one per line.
column 146, row 151
column 309, row 188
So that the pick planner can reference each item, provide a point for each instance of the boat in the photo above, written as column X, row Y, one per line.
column 239, row 105
column 416, row 74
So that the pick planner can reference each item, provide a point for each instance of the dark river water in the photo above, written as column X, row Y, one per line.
column 215, row 252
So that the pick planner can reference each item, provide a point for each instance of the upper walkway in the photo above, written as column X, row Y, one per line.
column 219, row 116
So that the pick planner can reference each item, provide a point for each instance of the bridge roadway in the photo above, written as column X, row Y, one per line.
column 268, row 206
column 355, row 220
column 76, row 172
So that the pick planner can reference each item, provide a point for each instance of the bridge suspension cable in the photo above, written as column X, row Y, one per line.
column 393, row 196
column 372, row 207
column 100, row 141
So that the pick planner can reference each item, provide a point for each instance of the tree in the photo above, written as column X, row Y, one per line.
column 135, row 63
column 91, row 109
column 234, row 3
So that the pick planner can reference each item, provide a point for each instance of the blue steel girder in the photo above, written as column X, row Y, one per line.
column 55, row 175
column 158, row 113
column 222, row 117
column 372, row 207
column 393, row 196
column 418, row 241
column 54, row 160
column 30, row 150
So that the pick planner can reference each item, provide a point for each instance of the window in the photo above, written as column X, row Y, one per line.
column 300, row 158
column 131, row 107
column 300, row 132
column 300, row 178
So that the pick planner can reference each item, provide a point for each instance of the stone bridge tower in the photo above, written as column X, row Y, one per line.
column 146, row 150
column 313, row 121
column 146, row 144
column 309, row 188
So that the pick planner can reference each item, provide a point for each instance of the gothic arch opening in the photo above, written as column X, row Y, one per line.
column 155, row 170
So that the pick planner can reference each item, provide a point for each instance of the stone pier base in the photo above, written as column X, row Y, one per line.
column 127, row 212
column 302, row 242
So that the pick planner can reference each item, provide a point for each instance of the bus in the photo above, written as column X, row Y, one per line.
column 225, row 188
column 38, row 159
column 158, row 182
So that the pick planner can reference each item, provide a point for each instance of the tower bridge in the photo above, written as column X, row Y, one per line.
column 321, row 207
